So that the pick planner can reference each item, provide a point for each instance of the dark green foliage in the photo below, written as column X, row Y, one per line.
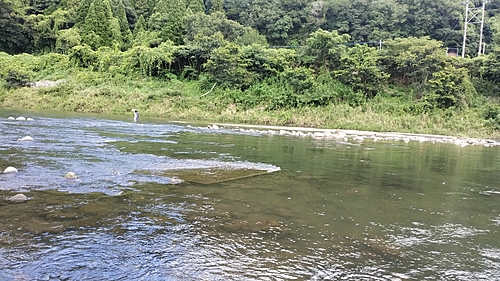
column 42, row 6
column 196, row 6
column 450, row 88
column 491, row 67
column 228, row 68
column 82, row 11
column 199, row 26
column 168, row 20
column 324, row 49
column 67, row 39
column 130, row 12
column 83, row 56
column 126, row 34
column 280, row 21
column 144, row 8
column 326, row 90
column 412, row 60
column 358, row 69
column 492, row 115
column 140, row 25
column 153, row 61
column 17, row 78
column 216, row 6
column 100, row 28
column 13, row 38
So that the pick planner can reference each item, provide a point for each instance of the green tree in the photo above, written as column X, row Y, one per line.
column 144, row 37
column 491, row 67
column 323, row 49
column 100, row 28
column 201, row 25
column 140, row 25
column 13, row 38
column 358, row 69
column 412, row 60
column 42, row 6
column 126, row 34
column 267, row 63
column 196, row 6
column 67, row 39
column 168, row 19
column 279, row 20
column 440, row 20
column 450, row 88
column 144, row 8
column 228, row 68
column 81, row 11
column 217, row 6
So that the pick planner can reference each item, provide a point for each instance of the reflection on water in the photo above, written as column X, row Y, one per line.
column 282, row 208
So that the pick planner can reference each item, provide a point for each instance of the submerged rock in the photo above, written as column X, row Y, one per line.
column 18, row 198
column 10, row 170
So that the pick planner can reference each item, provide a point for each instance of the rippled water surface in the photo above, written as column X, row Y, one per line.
column 161, row 200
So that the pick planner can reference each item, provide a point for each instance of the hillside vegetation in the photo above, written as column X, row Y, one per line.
column 358, row 64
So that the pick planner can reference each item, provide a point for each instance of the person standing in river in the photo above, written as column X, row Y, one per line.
column 136, row 115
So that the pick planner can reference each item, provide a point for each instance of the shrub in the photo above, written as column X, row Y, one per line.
column 17, row 78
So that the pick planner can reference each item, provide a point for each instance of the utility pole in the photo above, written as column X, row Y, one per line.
column 474, row 15
column 481, row 32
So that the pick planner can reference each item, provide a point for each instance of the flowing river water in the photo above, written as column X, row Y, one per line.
column 160, row 200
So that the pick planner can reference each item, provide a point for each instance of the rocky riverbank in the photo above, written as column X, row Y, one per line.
column 354, row 135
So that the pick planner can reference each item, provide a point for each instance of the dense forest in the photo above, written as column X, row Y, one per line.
column 271, row 55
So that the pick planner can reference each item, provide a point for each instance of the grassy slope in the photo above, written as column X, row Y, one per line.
column 101, row 93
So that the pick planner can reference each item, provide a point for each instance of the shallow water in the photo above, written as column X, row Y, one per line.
column 251, row 207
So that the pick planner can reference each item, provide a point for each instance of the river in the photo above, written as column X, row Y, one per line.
column 165, row 200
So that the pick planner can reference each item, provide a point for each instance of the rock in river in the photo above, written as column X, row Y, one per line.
column 26, row 138
column 9, row 170
column 18, row 198
column 70, row 175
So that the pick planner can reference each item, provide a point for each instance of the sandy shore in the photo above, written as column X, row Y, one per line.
column 355, row 135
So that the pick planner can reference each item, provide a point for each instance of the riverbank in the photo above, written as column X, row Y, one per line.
column 180, row 100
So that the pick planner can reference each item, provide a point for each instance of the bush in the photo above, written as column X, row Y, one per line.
column 492, row 115
column 16, row 79
column 450, row 87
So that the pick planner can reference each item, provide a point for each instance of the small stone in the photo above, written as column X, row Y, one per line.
column 29, row 119
column 20, row 118
column 11, row 118
column 215, row 127
column 9, row 170
column 26, row 138
column 70, row 175
column 18, row 198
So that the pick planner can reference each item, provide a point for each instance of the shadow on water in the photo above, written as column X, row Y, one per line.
column 165, row 201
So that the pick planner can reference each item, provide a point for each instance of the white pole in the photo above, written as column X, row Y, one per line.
column 481, row 32
column 465, row 27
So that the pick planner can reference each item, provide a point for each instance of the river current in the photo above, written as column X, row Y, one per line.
column 165, row 200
